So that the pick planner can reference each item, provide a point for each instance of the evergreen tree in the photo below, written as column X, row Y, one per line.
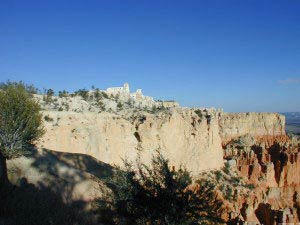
column 20, row 123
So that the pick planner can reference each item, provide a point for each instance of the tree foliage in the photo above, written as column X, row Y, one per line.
column 83, row 93
column 158, row 194
column 30, row 88
column 228, row 182
column 63, row 93
column 20, row 120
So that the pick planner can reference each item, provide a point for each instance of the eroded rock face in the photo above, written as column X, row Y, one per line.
column 272, row 164
column 181, row 135
column 266, row 157
column 233, row 125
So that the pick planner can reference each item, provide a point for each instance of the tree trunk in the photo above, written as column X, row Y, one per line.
column 3, row 170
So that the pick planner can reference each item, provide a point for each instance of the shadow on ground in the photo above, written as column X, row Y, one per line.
column 49, row 200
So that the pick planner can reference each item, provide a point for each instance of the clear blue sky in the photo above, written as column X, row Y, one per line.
column 240, row 55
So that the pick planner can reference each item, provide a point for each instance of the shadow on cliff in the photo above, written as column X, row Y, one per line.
column 66, row 170
column 278, row 158
column 49, row 160
column 50, row 199
column 276, row 155
column 265, row 214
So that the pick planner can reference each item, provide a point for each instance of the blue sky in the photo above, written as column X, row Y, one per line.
column 238, row 55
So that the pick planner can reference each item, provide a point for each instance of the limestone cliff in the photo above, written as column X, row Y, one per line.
column 233, row 125
column 186, row 138
column 180, row 134
column 201, row 140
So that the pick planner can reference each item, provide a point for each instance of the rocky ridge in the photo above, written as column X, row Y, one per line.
column 254, row 145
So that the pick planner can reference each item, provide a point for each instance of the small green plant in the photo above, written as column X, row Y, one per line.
column 129, row 102
column 104, row 94
column 63, row 93
column 97, row 95
column 83, row 93
column 198, row 112
column 218, row 175
column 226, row 168
column 48, row 118
column 117, row 97
column 50, row 93
column 154, row 109
column 119, row 106
column 101, row 105
column 66, row 106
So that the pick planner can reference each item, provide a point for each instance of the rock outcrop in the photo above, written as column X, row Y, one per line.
column 186, row 138
column 180, row 134
column 253, row 144
column 233, row 125
column 272, row 164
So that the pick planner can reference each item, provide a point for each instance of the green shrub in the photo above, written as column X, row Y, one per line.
column 154, row 109
column 104, row 95
column 20, row 123
column 66, row 106
column 101, row 105
column 50, row 92
column 228, row 182
column 83, row 93
column 129, row 102
column 97, row 95
column 29, row 88
column 48, row 118
column 119, row 105
column 159, row 194
column 198, row 112
column 63, row 93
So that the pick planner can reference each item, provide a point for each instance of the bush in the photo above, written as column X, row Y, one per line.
column 198, row 112
column 50, row 92
column 129, row 102
column 158, row 194
column 97, row 95
column 104, row 95
column 154, row 109
column 20, row 123
column 83, row 93
column 228, row 182
column 119, row 105
column 48, row 98
column 65, row 105
column 101, row 105
column 63, row 93
column 48, row 118
column 31, row 89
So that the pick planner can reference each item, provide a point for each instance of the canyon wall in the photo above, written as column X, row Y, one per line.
column 181, row 135
column 257, row 147
column 186, row 138
column 233, row 125
column 254, row 144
